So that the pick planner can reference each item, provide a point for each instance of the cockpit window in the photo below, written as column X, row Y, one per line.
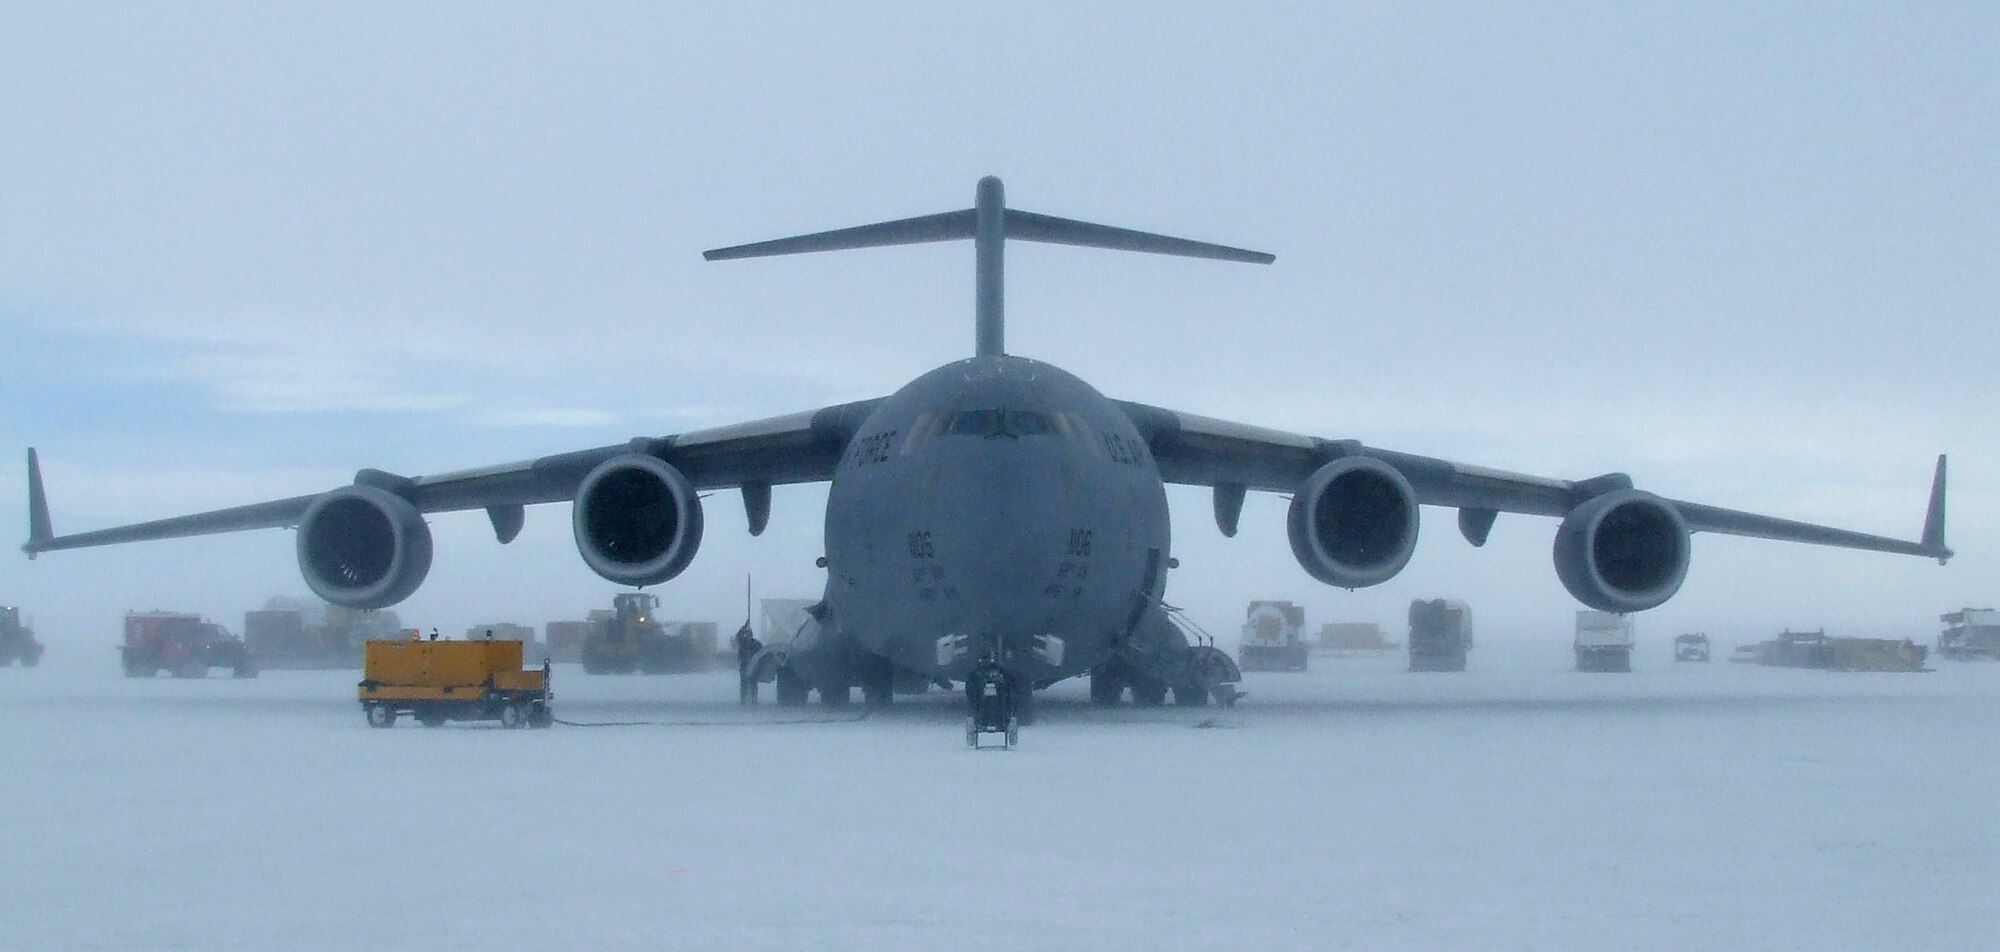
column 1027, row 423
column 1015, row 423
column 976, row 423
column 927, row 426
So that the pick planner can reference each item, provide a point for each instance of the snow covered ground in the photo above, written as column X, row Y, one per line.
column 1516, row 806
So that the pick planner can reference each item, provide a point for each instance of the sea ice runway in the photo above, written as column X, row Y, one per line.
column 1518, row 805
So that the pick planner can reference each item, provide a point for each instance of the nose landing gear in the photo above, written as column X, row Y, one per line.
column 994, row 721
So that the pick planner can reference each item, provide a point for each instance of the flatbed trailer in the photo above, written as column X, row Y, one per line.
column 439, row 681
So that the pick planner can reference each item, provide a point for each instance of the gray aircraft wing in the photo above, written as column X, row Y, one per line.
column 796, row 448
column 1234, row 457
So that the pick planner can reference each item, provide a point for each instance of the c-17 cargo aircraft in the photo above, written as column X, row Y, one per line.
column 995, row 510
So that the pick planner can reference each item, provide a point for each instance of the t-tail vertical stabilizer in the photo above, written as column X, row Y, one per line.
column 989, row 223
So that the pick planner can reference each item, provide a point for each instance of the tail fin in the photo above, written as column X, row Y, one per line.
column 39, row 530
column 989, row 223
column 1933, row 538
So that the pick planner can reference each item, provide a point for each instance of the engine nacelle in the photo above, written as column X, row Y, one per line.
column 637, row 520
column 363, row 547
column 1622, row 551
column 1353, row 522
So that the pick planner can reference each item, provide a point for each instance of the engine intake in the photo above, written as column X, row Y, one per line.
column 363, row 547
column 1353, row 522
column 1623, row 551
column 637, row 520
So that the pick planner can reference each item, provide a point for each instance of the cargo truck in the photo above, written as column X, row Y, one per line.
column 1440, row 634
column 1970, row 634
column 439, row 681
column 302, row 634
column 182, row 645
column 17, row 640
column 1273, row 638
column 1603, row 642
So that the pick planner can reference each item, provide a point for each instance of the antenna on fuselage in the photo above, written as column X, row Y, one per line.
column 989, row 223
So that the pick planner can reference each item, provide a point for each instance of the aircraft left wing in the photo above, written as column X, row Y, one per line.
column 1616, row 534
column 796, row 448
column 649, row 483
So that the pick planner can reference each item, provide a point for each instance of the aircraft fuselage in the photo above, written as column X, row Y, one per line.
column 996, row 504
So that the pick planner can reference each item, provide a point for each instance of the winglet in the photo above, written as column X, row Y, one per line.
column 1933, row 539
column 39, row 532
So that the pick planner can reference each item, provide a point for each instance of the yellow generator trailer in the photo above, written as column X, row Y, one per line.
column 438, row 681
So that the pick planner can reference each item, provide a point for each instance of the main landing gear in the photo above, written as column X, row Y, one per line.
column 1195, row 677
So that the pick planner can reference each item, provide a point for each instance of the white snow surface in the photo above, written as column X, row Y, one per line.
column 1519, row 805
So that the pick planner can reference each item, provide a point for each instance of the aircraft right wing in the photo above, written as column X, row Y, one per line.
column 642, row 513
column 1354, row 508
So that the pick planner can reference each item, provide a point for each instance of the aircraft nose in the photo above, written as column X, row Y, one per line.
column 1004, row 545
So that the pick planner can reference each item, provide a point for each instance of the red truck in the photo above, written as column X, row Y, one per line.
column 182, row 645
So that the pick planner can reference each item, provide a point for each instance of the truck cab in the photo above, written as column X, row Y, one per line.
column 1273, row 638
column 183, row 645
column 17, row 640
column 1440, row 634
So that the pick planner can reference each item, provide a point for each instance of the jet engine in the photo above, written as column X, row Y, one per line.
column 637, row 520
column 1622, row 551
column 1353, row 522
column 363, row 547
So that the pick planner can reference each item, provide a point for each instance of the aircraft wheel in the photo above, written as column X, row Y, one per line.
column 792, row 689
column 1148, row 693
column 381, row 715
column 1106, row 687
column 878, row 684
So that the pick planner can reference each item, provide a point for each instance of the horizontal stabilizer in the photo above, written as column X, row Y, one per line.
column 949, row 226
column 960, row 225
column 1028, row 226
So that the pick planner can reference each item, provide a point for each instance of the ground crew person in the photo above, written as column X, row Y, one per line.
column 747, row 647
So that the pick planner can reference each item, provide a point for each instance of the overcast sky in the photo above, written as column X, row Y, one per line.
column 1748, row 253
